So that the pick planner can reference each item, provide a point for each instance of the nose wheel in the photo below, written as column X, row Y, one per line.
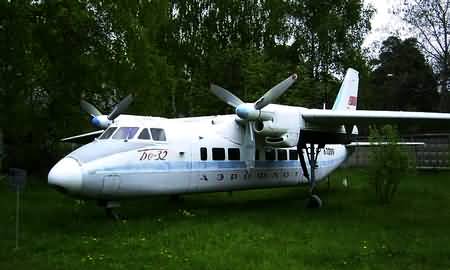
column 111, row 208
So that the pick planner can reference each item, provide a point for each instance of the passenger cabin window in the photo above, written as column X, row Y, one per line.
column 256, row 154
column 144, row 135
column 282, row 154
column 158, row 134
column 203, row 153
column 293, row 155
column 218, row 154
column 270, row 155
column 107, row 133
column 234, row 154
column 125, row 133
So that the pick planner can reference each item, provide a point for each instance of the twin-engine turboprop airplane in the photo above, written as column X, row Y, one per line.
column 263, row 145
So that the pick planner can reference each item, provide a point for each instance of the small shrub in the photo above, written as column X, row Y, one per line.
column 389, row 162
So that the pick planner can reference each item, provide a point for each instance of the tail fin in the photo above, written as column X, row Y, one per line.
column 347, row 97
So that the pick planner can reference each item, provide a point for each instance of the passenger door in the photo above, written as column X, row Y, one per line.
column 111, row 184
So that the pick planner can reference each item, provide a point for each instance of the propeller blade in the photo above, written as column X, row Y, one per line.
column 121, row 107
column 276, row 91
column 90, row 109
column 226, row 96
column 249, row 145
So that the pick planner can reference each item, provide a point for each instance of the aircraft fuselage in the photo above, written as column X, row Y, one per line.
column 204, row 154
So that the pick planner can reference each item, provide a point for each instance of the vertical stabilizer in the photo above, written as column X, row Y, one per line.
column 347, row 97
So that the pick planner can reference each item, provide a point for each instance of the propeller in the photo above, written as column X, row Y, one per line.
column 101, row 120
column 275, row 92
column 120, row 107
column 251, row 112
column 90, row 109
column 226, row 96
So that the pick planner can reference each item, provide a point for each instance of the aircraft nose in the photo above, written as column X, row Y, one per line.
column 66, row 174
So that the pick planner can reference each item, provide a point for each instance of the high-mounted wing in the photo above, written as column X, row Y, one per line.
column 338, row 125
column 363, row 117
column 83, row 138
column 344, row 112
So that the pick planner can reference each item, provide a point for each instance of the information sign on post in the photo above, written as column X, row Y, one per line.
column 17, row 178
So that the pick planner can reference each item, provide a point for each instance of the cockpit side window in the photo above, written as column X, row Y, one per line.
column 158, row 134
column 107, row 133
column 125, row 133
column 144, row 135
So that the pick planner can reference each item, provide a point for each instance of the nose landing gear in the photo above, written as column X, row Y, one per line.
column 110, row 209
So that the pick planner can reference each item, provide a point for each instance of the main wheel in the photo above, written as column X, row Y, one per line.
column 314, row 202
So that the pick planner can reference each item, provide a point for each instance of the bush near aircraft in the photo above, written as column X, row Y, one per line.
column 389, row 162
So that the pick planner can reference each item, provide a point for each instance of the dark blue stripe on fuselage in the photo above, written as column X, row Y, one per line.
column 177, row 166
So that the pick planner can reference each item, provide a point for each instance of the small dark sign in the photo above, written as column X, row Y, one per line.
column 17, row 178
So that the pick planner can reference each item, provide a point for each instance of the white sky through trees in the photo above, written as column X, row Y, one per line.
column 384, row 23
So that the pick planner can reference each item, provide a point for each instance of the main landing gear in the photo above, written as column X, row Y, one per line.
column 312, row 152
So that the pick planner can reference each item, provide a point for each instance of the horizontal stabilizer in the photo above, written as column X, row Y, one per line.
column 367, row 144
column 83, row 138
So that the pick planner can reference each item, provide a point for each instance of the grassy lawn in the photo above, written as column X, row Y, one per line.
column 265, row 229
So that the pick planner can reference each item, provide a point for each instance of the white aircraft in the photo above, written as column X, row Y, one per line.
column 263, row 145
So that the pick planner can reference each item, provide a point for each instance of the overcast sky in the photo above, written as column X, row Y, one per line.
column 383, row 22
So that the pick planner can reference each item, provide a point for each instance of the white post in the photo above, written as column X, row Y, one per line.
column 17, row 217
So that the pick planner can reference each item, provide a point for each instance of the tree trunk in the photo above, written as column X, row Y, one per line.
column 173, row 102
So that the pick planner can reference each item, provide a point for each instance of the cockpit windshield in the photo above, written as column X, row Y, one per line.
column 107, row 133
column 125, row 133
column 128, row 133
column 145, row 135
column 158, row 134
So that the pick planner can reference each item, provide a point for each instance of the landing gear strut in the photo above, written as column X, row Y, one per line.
column 312, row 153
column 110, row 208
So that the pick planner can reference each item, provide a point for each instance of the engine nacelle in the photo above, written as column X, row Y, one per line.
column 276, row 136
column 248, row 112
column 286, row 140
column 268, row 129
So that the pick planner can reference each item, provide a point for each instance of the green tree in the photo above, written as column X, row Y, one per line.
column 163, row 52
column 401, row 71
column 429, row 21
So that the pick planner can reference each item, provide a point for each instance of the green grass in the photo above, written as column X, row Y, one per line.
column 265, row 229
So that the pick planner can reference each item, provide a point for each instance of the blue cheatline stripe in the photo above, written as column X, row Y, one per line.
column 188, row 166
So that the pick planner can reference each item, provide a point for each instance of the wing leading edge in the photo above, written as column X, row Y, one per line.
column 329, row 118
column 83, row 138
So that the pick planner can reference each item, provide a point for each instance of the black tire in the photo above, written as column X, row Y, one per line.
column 314, row 202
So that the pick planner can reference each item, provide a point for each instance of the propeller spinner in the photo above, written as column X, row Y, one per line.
column 100, row 120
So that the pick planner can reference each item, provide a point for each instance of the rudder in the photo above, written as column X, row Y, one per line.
column 347, row 97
